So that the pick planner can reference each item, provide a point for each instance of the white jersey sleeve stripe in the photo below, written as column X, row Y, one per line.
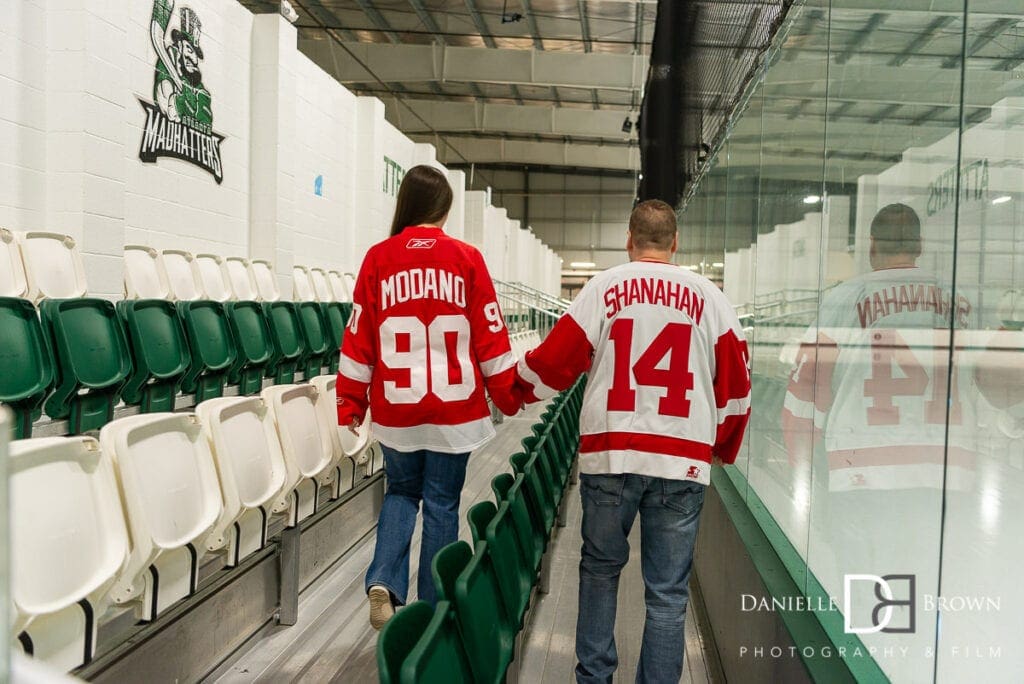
column 351, row 368
column 540, row 390
column 735, row 407
column 498, row 364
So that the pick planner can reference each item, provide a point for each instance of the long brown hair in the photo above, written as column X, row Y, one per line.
column 423, row 198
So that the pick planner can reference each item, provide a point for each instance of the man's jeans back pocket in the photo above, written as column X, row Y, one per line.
column 682, row 496
column 604, row 490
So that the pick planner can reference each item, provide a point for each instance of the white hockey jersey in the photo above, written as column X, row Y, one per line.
column 669, row 384
column 873, row 381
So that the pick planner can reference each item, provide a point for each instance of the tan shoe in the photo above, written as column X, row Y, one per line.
column 381, row 609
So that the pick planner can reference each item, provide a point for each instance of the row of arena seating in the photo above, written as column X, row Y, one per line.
column 485, row 592
column 36, row 265
column 124, row 521
column 77, row 357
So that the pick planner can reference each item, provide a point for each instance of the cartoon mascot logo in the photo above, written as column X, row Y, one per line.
column 179, row 122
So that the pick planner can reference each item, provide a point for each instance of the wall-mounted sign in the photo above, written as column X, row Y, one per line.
column 179, row 121
column 393, row 175
column 973, row 186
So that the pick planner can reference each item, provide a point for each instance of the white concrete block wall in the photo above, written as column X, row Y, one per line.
column 456, row 217
column 325, row 139
column 72, row 74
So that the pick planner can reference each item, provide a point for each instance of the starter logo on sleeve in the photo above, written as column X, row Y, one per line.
column 421, row 243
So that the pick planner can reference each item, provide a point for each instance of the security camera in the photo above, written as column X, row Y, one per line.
column 288, row 12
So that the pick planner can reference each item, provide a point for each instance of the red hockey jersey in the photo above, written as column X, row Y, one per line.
column 425, row 338
column 669, row 383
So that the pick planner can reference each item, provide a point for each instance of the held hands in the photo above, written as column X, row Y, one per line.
column 353, row 427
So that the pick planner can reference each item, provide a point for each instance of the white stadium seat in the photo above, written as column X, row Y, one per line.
column 350, row 450
column 266, row 280
column 181, row 272
column 53, row 266
column 350, row 284
column 302, row 285
column 68, row 545
column 251, row 470
column 240, row 279
column 210, row 269
column 144, row 274
column 12, row 268
column 172, row 501
column 339, row 286
column 305, row 443
column 321, row 287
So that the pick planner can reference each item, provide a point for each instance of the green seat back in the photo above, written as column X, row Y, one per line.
column 447, row 565
column 439, row 657
column 212, row 345
column 487, row 631
column 346, row 310
column 500, row 484
column 398, row 638
column 336, row 318
column 315, row 336
column 542, row 511
column 160, row 353
column 511, row 563
column 255, row 349
column 289, row 344
column 479, row 517
column 26, row 363
column 546, row 470
column 532, row 539
column 91, row 357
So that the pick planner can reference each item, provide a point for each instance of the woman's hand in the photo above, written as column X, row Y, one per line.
column 353, row 427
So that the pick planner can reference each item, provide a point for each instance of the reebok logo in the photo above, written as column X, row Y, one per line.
column 421, row 243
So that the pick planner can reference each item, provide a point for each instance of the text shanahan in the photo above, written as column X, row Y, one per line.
column 655, row 291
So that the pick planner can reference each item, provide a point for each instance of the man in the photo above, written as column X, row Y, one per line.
column 668, row 390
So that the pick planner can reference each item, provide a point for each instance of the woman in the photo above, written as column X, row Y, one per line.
column 426, row 337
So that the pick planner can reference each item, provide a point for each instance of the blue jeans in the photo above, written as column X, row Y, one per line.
column 434, row 478
column 669, row 512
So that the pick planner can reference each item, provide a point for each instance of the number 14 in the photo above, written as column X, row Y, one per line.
column 673, row 341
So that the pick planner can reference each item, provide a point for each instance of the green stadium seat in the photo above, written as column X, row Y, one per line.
column 316, row 337
column 511, row 564
column 487, row 630
column 289, row 344
column 500, row 484
column 93, row 361
column 531, row 537
column 439, row 657
column 447, row 565
column 26, row 368
column 160, row 353
column 398, row 638
column 255, row 349
column 213, row 348
column 479, row 517
column 542, row 509
column 546, row 470
column 336, row 319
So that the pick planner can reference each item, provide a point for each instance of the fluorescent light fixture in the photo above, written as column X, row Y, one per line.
column 1002, row 200
column 693, row 267
column 812, row 199
column 582, row 264
column 718, row 264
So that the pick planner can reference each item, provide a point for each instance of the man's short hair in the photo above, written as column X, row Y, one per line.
column 653, row 225
column 896, row 229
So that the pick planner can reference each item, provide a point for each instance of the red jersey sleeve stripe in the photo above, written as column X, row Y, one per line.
column 732, row 379
column 652, row 444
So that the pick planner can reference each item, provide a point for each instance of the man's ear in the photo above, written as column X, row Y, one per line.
column 675, row 243
column 629, row 241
